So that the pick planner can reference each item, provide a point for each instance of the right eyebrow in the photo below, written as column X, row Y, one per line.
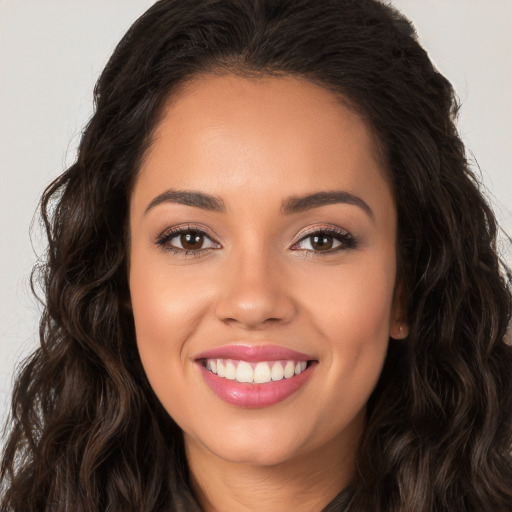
column 188, row 198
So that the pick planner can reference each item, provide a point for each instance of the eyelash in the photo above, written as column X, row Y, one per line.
column 164, row 241
column 347, row 241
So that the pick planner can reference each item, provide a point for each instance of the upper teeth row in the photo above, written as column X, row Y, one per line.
column 264, row 371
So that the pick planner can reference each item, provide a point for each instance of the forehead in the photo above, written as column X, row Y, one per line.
column 226, row 134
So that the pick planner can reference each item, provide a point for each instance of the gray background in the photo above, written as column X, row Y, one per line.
column 51, row 53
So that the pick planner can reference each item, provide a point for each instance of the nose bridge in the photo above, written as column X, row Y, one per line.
column 254, row 289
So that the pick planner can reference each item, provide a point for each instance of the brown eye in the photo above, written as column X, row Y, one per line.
column 326, row 241
column 192, row 240
column 322, row 242
column 187, row 241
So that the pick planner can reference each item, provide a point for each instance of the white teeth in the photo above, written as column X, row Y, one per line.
column 211, row 365
column 289, row 370
column 262, row 373
column 257, row 373
column 277, row 372
column 244, row 372
column 230, row 371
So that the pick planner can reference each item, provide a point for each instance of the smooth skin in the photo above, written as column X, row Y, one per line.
column 254, row 274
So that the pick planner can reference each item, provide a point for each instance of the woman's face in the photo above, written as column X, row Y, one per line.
column 262, row 268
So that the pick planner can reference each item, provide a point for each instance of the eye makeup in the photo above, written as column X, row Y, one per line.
column 193, row 241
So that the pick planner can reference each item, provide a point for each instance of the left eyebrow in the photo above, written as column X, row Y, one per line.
column 297, row 204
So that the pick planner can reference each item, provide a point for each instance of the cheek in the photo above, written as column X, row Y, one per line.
column 163, row 294
column 353, row 317
column 166, row 309
column 352, row 300
column 162, row 308
column 351, row 311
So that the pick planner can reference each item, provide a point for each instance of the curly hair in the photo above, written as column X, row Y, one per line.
column 86, row 431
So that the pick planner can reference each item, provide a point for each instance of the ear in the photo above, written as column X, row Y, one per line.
column 398, row 326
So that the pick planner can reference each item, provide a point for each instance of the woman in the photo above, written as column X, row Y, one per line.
column 272, row 281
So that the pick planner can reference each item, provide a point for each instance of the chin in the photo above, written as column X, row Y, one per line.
column 257, row 455
column 253, row 446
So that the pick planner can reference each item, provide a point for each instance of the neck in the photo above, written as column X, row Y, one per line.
column 304, row 484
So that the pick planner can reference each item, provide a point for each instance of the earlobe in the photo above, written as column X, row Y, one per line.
column 399, row 330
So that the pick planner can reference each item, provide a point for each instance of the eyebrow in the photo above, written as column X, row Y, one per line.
column 188, row 198
column 294, row 204
column 297, row 204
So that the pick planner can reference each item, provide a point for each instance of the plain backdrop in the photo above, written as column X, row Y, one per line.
column 52, row 51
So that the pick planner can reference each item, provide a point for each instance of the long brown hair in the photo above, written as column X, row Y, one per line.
column 87, row 432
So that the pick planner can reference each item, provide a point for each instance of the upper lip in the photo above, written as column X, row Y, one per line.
column 253, row 353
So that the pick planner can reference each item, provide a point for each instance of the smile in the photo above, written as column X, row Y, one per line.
column 254, row 376
column 256, row 373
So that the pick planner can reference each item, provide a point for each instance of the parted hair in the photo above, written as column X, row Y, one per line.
column 86, row 431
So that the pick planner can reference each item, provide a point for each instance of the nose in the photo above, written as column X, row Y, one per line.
column 255, row 293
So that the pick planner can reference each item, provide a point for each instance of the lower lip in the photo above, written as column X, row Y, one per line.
column 254, row 395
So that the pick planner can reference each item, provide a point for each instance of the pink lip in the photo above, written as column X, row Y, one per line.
column 253, row 353
column 254, row 395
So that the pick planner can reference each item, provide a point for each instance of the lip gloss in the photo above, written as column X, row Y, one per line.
column 251, row 394
column 254, row 395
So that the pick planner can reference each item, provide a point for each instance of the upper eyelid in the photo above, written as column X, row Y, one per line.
column 320, row 229
column 176, row 230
